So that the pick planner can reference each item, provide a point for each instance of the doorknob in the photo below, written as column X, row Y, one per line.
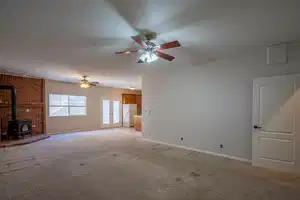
column 256, row 127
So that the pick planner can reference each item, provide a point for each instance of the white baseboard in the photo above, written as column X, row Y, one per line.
column 200, row 151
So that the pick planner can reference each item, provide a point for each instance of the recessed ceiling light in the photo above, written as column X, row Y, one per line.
column 131, row 88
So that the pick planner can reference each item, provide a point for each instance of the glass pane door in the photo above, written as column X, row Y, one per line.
column 116, row 111
column 105, row 111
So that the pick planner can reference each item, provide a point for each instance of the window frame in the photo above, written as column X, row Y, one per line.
column 67, row 106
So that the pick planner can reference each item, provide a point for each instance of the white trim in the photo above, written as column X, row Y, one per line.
column 279, row 76
column 201, row 151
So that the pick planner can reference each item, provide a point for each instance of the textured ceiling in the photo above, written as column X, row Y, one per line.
column 64, row 39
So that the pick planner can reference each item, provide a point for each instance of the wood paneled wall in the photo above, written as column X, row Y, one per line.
column 30, row 101
column 133, row 99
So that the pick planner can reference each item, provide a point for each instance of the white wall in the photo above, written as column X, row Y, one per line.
column 208, row 105
column 95, row 95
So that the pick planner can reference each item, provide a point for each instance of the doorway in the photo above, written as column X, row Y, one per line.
column 111, row 110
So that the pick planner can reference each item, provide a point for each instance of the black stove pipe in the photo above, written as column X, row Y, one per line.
column 13, row 99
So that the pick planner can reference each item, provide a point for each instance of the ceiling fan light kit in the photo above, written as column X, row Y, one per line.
column 148, row 57
column 84, row 83
column 151, row 51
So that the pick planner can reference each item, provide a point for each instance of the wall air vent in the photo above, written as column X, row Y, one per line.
column 277, row 54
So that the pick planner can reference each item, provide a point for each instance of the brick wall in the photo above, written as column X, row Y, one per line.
column 30, row 101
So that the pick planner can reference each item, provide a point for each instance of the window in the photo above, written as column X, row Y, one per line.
column 66, row 105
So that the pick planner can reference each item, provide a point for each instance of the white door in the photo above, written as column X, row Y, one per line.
column 111, row 114
column 116, row 118
column 276, row 123
column 106, row 114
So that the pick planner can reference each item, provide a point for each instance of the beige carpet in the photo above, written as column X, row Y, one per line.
column 117, row 164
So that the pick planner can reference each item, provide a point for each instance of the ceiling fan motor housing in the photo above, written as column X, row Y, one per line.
column 150, row 46
column 150, row 36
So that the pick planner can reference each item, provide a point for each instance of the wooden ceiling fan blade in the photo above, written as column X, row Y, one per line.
column 138, row 40
column 96, row 83
column 169, row 45
column 164, row 56
column 127, row 52
column 93, row 84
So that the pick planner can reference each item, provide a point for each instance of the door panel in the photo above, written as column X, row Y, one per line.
column 116, row 113
column 276, row 149
column 275, row 134
column 275, row 109
column 106, row 117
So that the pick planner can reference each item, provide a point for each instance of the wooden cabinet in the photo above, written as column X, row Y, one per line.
column 138, row 123
column 133, row 99
column 128, row 99
column 139, row 104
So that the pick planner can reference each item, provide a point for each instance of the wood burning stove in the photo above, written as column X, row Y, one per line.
column 18, row 128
